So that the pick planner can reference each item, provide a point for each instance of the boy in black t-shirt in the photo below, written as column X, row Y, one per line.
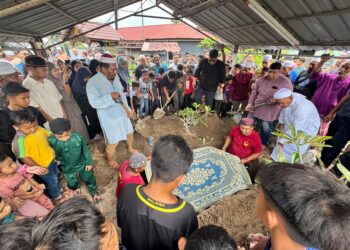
column 19, row 98
column 150, row 216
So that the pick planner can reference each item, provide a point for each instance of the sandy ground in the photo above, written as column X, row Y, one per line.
column 235, row 213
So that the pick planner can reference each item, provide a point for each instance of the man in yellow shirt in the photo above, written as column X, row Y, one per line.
column 34, row 149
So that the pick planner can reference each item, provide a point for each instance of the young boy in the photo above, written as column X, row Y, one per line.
column 74, row 155
column 33, row 149
column 134, row 95
column 145, row 93
column 19, row 98
column 219, row 97
column 129, row 172
column 150, row 216
column 227, row 100
column 303, row 207
column 155, row 92
column 189, row 86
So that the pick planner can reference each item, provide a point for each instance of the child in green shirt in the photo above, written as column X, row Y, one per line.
column 74, row 155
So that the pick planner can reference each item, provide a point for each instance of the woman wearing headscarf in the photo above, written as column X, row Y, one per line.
column 75, row 65
column 69, row 104
column 89, row 113
column 123, row 72
column 94, row 67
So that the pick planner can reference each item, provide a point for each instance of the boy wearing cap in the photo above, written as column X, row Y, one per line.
column 74, row 155
column 44, row 95
column 244, row 142
column 129, row 172
column 8, row 73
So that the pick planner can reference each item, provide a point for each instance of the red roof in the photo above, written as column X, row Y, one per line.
column 160, row 32
column 106, row 33
column 161, row 46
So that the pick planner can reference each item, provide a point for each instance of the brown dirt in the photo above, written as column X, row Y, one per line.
column 235, row 213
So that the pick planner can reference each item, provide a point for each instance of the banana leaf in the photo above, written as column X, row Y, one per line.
column 292, row 130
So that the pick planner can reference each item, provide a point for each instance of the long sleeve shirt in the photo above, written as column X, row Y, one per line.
column 73, row 154
column 329, row 91
column 263, row 91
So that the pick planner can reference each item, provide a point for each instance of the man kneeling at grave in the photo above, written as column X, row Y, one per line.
column 244, row 142
column 150, row 216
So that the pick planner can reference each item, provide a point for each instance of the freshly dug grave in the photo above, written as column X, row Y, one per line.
column 235, row 213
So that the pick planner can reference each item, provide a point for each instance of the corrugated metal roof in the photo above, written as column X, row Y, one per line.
column 43, row 19
column 309, row 22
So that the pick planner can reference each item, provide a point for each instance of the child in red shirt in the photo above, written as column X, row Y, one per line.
column 188, row 89
column 244, row 142
column 129, row 172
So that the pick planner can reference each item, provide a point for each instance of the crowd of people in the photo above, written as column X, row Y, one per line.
column 51, row 110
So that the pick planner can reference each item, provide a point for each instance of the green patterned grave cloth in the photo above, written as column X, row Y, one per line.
column 213, row 175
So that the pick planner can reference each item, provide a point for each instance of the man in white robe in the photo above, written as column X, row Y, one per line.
column 299, row 112
column 105, row 94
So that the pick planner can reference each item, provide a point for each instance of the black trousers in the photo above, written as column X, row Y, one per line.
column 340, row 132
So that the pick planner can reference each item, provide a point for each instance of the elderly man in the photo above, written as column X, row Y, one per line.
column 211, row 72
column 299, row 112
column 287, row 70
column 142, row 65
column 331, row 88
column 8, row 73
column 61, row 55
column 266, row 115
column 105, row 94
column 75, row 55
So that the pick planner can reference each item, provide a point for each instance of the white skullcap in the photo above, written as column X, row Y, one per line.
column 316, row 60
column 282, row 93
column 9, row 53
column 288, row 64
column 267, row 58
column 7, row 68
column 107, row 58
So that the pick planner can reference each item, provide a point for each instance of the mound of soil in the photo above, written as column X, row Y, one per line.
column 212, row 135
column 235, row 213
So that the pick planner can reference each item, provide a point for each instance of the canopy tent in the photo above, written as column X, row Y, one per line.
column 250, row 23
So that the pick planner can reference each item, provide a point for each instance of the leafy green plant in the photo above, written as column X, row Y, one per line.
column 299, row 138
column 191, row 117
column 341, row 168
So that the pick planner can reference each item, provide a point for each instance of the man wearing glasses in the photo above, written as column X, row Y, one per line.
column 267, row 113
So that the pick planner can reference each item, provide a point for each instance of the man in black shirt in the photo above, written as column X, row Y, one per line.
column 150, row 216
column 168, row 85
column 211, row 72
